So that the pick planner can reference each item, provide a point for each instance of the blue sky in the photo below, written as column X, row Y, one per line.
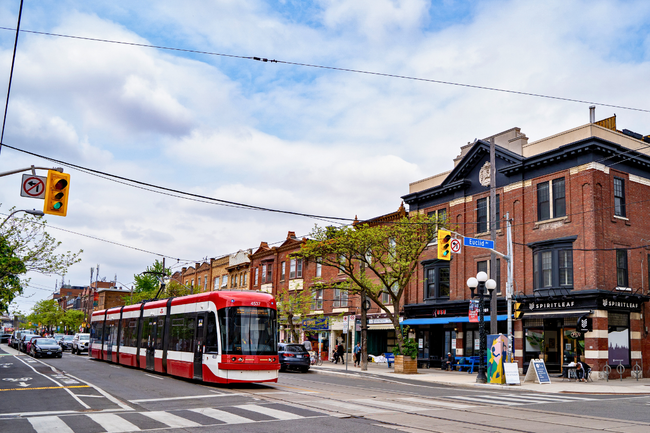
column 285, row 136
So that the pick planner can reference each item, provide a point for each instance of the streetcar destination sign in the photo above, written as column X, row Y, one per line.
column 479, row 243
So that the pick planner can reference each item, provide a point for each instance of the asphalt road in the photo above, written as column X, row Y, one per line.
column 77, row 394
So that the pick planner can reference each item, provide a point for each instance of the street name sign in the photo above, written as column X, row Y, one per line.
column 479, row 243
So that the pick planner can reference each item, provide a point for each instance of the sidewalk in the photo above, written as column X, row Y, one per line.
column 463, row 378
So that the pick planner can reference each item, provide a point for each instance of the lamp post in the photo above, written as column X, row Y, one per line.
column 31, row 212
column 480, row 284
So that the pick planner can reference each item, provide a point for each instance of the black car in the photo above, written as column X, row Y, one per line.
column 66, row 342
column 24, row 339
column 4, row 338
column 293, row 356
column 45, row 347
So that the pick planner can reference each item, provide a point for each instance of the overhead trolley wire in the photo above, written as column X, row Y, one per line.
column 334, row 68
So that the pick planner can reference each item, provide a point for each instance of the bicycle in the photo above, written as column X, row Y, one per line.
column 316, row 360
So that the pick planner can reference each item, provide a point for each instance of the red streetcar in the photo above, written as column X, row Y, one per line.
column 221, row 337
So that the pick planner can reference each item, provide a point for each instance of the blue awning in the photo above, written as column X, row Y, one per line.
column 443, row 320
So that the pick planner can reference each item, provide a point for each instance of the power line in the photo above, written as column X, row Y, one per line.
column 333, row 68
column 174, row 192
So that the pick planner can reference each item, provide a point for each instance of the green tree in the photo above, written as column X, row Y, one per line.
column 25, row 247
column 46, row 313
column 72, row 319
column 376, row 259
column 293, row 306
column 148, row 283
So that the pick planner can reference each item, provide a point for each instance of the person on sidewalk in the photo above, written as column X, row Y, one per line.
column 582, row 371
column 357, row 355
column 449, row 363
column 339, row 353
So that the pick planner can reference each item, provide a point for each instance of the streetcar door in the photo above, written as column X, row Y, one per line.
column 151, row 343
column 199, row 341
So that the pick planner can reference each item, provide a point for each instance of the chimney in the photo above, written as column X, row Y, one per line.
column 592, row 114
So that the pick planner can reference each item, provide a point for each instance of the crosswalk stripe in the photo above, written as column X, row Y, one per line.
column 170, row 419
column 279, row 414
column 443, row 404
column 475, row 400
column 542, row 398
column 350, row 407
column 387, row 404
column 112, row 423
column 563, row 396
column 220, row 415
column 49, row 424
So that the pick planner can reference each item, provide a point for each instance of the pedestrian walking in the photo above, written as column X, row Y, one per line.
column 357, row 355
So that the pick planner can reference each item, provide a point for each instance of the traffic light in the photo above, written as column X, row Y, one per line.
column 518, row 312
column 56, row 193
column 444, row 241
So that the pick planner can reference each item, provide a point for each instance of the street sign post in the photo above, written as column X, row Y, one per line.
column 33, row 186
column 478, row 243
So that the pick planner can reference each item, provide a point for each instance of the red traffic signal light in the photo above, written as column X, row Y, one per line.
column 56, row 193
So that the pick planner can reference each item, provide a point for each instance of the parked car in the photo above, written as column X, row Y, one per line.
column 66, row 342
column 30, row 343
column 4, row 338
column 24, row 339
column 45, row 347
column 293, row 356
column 14, row 341
column 80, row 343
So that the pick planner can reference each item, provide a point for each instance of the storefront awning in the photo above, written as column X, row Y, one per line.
column 555, row 314
column 443, row 320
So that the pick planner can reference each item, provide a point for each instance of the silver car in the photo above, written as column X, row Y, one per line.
column 80, row 343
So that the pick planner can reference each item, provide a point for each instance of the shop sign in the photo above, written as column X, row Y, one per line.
column 620, row 304
column 379, row 321
column 584, row 324
column 315, row 324
column 550, row 305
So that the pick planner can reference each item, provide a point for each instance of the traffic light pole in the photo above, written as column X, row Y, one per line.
column 32, row 169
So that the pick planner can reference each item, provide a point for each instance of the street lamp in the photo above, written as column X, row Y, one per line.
column 31, row 212
column 481, row 283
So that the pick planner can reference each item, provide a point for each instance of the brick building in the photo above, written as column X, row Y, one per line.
column 578, row 210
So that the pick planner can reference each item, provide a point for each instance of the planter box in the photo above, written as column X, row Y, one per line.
column 405, row 365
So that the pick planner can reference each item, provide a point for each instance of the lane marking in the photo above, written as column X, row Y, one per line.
column 53, row 412
column 49, row 424
column 170, row 419
column 188, row 397
column 355, row 408
column 279, row 414
column 112, row 423
column 475, row 400
column 49, row 378
column 104, row 393
column 228, row 418
column 155, row 377
column 45, row 387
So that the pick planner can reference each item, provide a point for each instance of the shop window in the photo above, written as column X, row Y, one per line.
column 621, row 268
column 618, row 332
column 551, row 199
column 436, row 281
column 619, row 197
column 471, row 342
column 553, row 263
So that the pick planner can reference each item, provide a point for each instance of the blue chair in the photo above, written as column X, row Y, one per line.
column 390, row 358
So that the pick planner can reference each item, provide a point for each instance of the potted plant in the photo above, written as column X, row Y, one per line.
column 407, row 362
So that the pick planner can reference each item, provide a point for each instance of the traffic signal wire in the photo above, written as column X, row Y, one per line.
column 174, row 192
column 332, row 68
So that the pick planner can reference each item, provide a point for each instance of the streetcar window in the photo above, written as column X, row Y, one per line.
column 182, row 333
column 211, row 334
column 96, row 329
column 159, row 334
column 129, row 335
column 248, row 330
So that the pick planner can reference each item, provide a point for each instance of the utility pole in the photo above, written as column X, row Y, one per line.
column 364, row 331
column 493, row 236
column 509, row 290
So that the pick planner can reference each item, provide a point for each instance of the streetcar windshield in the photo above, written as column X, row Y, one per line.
column 248, row 330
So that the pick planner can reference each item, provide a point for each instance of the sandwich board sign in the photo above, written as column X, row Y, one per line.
column 511, row 370
column 537, row 372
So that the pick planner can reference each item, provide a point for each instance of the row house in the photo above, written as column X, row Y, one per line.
column 578, row 208
column 90, row 300
column 69, row 297
column 224, row 273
